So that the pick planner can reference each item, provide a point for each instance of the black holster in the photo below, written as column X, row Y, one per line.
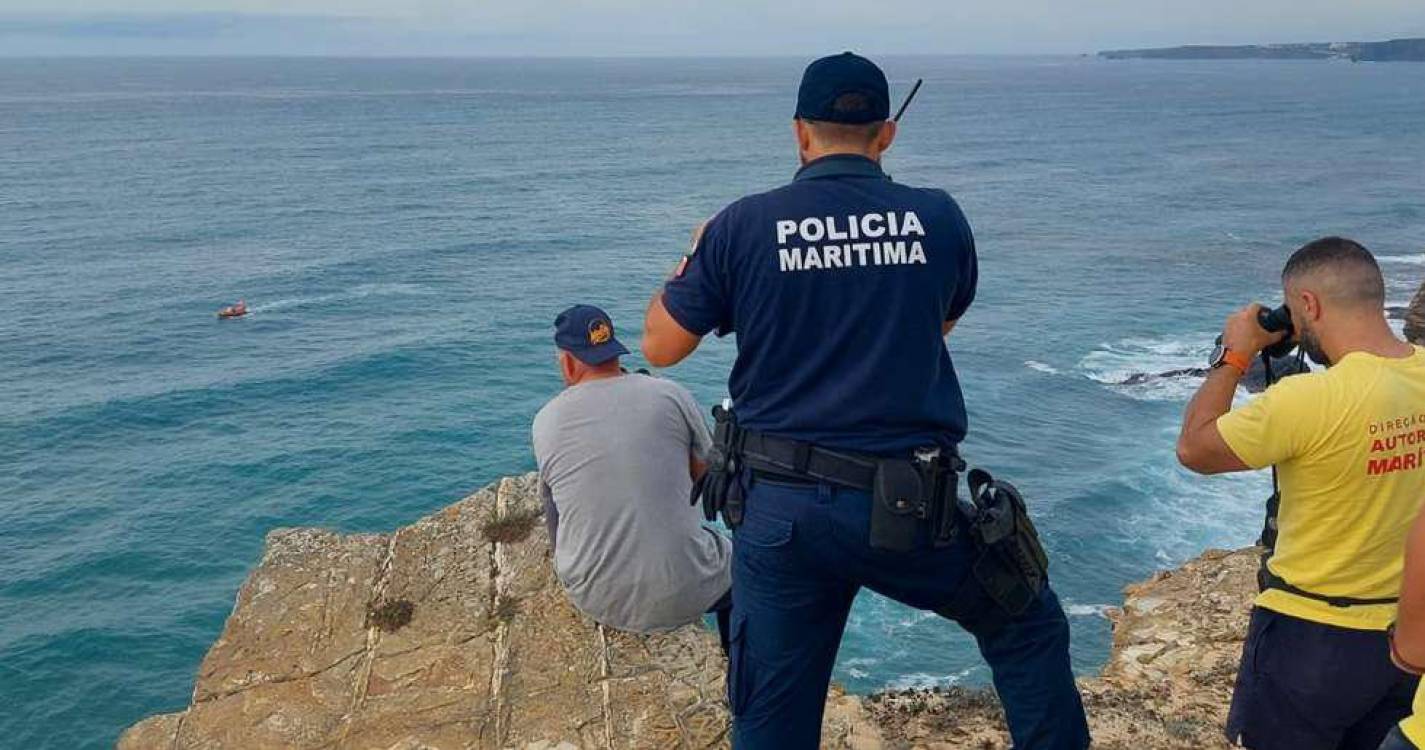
column 720, row 489
column 1011, row 568
column 911, row 494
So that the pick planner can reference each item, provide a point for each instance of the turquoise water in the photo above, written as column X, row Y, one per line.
column 404, row 232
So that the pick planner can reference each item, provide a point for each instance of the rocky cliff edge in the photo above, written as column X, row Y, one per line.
column 453, row 633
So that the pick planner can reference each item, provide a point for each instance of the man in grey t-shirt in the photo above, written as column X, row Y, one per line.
column 617, row 455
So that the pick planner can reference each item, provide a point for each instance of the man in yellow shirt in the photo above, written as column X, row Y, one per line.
column 1348, row 444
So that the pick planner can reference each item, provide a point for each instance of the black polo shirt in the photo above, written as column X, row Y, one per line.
column 836, row 286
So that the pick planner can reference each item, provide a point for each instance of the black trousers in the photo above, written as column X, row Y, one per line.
column 1307, row 686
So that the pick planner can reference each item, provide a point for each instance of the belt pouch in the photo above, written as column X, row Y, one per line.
column 897, row 505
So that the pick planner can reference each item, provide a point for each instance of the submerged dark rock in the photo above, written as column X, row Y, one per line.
column 1255, row 381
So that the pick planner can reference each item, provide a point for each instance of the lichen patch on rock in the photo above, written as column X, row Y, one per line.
column 390, row 616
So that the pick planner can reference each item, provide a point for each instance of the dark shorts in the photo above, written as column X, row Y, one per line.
column 1307, row 686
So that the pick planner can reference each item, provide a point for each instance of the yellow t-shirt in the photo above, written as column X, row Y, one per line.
column 1349, row 447
column 1414, row 725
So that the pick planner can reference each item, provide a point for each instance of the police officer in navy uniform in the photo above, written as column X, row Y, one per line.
column 841, row 287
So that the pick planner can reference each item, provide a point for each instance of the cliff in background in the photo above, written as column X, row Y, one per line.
column 1395, row 50
column 453, row 633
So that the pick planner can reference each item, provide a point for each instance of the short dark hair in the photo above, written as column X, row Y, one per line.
column 1354, row 273
column 859, row 134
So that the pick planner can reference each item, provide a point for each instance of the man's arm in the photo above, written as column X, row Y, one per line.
column 696, row 467
column 1201, row 446
column 1409, row 645
column 665, row 341
column 967, row 279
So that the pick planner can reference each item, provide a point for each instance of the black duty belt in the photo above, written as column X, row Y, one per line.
column 793, row 461
column 1269, row 580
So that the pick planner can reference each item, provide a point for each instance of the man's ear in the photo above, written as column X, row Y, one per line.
column 1311, row 303
column 887, row 136
column 803, row 135
column 566, row 366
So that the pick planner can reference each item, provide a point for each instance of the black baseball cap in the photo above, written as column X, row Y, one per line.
column 587, row 333
column 830, row 78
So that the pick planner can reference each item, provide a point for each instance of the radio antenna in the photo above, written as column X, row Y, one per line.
column 908, row 98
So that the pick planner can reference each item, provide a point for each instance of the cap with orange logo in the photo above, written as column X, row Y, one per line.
column 587, row 333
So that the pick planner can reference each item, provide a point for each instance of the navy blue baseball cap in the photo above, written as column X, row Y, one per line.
column 831, row 78
column 587, row 333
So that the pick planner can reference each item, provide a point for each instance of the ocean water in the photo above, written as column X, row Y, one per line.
column 405, row 231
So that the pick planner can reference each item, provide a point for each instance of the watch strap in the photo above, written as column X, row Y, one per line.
column 1238, row 360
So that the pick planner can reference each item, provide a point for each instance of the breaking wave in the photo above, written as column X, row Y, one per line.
column 1113, row 364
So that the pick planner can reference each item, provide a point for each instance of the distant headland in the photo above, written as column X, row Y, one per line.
column 1395, row 50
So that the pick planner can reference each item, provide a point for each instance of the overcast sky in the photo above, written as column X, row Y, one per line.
column 680, row 27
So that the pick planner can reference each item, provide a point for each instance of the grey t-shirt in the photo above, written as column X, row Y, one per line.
column 613, row 458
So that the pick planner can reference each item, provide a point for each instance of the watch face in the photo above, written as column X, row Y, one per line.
column 1218, row 354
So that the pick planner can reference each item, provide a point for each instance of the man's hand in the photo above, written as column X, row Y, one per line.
column 1244, row 335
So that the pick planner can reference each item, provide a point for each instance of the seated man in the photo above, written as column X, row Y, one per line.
column 618, row 454
column 1346, row 442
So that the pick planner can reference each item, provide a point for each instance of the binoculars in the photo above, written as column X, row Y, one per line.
column 1278, row 320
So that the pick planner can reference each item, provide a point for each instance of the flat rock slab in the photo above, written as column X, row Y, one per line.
column 450, row 633
column 453, row 632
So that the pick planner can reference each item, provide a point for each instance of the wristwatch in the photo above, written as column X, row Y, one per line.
column 1224, row 356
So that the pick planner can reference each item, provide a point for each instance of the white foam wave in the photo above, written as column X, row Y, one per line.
column 1182, row 513
column 1414, row 260
column 1041, row 367
column 1086, row 610
column 1115, row 363
column 1397, row 324
column 861, row 667
column 923, row 680
column 357, row 292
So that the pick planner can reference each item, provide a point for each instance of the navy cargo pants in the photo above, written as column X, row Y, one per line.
column 799, row 557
